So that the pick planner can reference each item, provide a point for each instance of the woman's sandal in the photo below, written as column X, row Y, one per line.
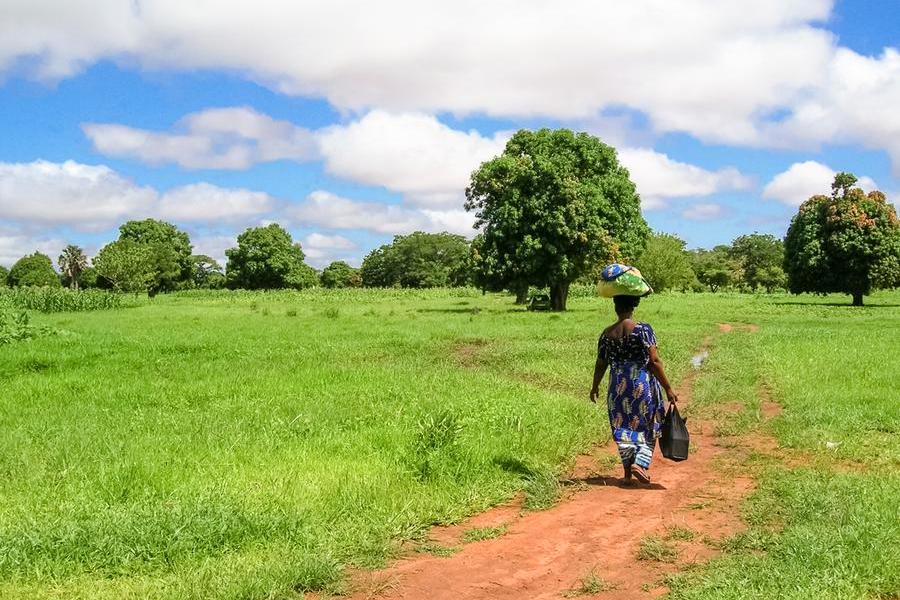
column 640, row 474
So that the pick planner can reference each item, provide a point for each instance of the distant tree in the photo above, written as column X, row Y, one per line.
column 72, row 263
column 551, row 207
column 418, row 260
column 267, row 258
column 33, row 270
column 848, row 242
column 88, row 278
column 171, row 250
column 665, row 264
column 128, row 266
column 340, row 275
column 206, row 272
column 4, row 274
column 714, row 268
column 759, row 259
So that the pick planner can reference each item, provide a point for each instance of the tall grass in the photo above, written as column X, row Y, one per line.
column 49, row 300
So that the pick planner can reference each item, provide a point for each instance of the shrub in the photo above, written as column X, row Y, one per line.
column 34, row 270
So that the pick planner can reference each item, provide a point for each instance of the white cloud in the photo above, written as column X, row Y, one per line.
column 14, row 245
column 213, row 245
column 216, row 138
column 659, row 178
column 203, row 202
column 709, row 68
column 704, row 211
column 324, row 209
column 85, row 197
column 95, row 198
column 413, row 154
column 804, row 179
column 857, row 103
column 323, row 249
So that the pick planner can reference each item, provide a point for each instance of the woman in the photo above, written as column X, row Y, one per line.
column 634, row 399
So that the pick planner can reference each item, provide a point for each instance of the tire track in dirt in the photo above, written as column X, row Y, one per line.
column 597, row 528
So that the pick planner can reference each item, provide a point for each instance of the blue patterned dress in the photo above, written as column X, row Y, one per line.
column 634, row 399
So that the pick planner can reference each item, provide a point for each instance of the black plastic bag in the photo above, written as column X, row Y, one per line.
column 675, row 439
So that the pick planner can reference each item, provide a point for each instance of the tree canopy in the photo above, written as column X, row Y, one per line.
column 552, row 207
column 759, row 258
column 714, row 268
column 848, row 242
column 339, row 274
column 267, row 258
column 4, row 274
column 665, row 264
column 128, row 266
column 33, row 270
column 418, row 260
column 206, row 272
column 170, row 248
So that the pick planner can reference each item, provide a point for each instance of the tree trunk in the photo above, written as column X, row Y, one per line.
column 857, row 298
column 521, row 294
column 559, row 293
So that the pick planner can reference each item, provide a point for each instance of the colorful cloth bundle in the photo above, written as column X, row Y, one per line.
column 622, row 280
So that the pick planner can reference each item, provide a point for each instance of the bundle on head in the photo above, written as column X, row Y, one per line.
column 626, row 304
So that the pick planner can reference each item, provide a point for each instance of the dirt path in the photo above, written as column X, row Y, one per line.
column 594, row 529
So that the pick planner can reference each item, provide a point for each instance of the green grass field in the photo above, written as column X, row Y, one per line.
column 248, row 445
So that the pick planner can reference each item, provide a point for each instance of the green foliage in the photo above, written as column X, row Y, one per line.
column 15, row 326
column 4, row 274
column 267, row 258
column 129, row 266
column 206, row 272
column 848, row 242
column 655, row 548
column 479, row 534
column 418, row 260
column 72, row 263
column 665, row 264
column 59, row 300
column 170, row 249
column 33, row 270
column 714, row 268
column 340, row 275
column 759, row 260
column 552, row 207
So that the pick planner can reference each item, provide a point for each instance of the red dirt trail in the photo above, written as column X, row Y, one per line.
column 596, row 528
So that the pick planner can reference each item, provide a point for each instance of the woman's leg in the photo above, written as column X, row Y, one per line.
column 642, row 458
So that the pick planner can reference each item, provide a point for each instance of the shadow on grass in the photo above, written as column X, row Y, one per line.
column 844, row 304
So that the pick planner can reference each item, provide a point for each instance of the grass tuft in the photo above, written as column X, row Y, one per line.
column 654, row 548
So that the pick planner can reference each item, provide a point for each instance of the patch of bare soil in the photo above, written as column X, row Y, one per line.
column 599, row 527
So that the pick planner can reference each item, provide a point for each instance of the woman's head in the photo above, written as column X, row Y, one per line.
column 626, row 304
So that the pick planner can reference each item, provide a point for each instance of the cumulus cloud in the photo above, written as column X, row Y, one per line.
column 857, row 103
column 95, row 198
column 86, row 197
column 804, row 179
column 324, row 209
column 14, row 245
column 204, row 202
column 711, row 69
column 704, row 211
column 411, row 153
column 322, row 249
column 216, row 138
column 659, row 178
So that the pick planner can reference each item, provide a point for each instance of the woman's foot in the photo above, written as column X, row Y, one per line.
column 627, row 472
column 641, row 474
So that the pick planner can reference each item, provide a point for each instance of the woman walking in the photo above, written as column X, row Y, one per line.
column 636, row 408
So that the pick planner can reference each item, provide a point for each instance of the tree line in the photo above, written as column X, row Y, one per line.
column 551, row 210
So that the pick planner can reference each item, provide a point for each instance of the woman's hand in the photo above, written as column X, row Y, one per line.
column 671, row 396
column 594, row 393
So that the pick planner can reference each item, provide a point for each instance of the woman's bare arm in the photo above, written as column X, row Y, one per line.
column 599, row 370
column 656, row 367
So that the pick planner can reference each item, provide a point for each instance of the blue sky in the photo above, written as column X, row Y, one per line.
column 352, row 122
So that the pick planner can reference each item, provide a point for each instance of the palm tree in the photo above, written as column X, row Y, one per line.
column 72, row 262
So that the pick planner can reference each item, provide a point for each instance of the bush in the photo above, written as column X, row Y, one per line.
column 15, row 326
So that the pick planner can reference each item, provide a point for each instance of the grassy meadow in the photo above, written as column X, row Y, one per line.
column 228, row 445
